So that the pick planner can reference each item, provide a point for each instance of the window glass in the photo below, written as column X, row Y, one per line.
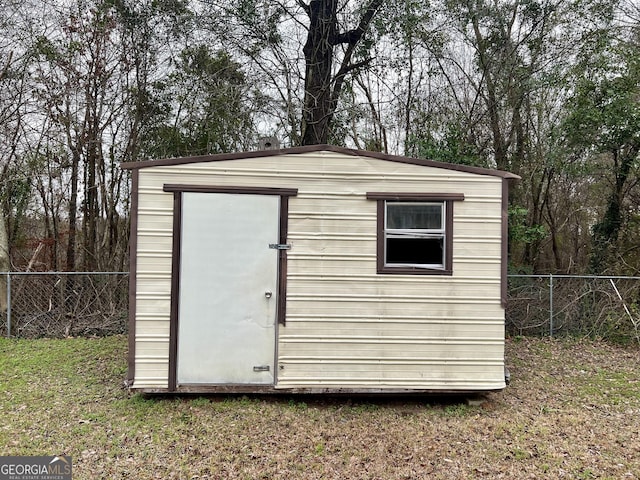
column 415, row 251
column 414, row 234
column 414, row 215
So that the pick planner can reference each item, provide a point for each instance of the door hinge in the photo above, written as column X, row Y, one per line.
column 261, row 368
column 280, row 246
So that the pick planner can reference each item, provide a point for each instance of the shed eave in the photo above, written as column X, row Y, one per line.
column 317, row 149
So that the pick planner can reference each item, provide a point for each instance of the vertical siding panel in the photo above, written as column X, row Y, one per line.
column 153, row 302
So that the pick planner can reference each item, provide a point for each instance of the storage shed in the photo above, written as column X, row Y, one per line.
column 316, row 269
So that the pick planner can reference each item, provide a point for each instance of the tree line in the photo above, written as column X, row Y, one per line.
column 546, row 89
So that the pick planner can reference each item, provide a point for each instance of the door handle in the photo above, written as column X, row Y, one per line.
column 268, row 294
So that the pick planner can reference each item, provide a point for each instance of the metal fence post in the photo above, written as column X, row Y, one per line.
column 8, row 305
column 551, row 305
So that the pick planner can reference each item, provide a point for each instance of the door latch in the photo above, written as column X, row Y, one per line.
column 280, row 246
column 261, row 368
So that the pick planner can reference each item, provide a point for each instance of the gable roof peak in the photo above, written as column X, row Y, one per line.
column 319, row 148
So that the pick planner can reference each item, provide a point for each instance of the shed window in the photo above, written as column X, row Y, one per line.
column 415, row 233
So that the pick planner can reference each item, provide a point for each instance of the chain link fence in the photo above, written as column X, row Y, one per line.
column 55, row 304
column 594, row 306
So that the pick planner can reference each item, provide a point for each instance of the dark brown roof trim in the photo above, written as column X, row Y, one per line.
column 317, row 148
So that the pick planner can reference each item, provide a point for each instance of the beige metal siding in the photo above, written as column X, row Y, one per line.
column 346, row 325
column 153, row 285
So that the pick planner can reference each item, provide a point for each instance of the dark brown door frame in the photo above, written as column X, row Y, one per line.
column 178, row 190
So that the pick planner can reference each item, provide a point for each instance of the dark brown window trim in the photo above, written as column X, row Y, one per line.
column 414, row 197
column 283, row 192
column 447, row 198
column 177, row 191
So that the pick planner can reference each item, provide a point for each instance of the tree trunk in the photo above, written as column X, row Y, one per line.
column 318, row 55
column 73, row 209
column 90, row 211
column 322, row 89
column 5, row 264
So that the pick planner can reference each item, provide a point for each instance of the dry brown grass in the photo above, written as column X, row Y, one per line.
column 571, row 411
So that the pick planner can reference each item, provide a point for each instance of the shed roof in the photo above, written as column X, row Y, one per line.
column 318, row 148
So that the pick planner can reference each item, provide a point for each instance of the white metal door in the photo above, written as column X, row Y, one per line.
column 228, row 289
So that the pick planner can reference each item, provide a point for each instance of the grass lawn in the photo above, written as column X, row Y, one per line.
column 572, row 411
